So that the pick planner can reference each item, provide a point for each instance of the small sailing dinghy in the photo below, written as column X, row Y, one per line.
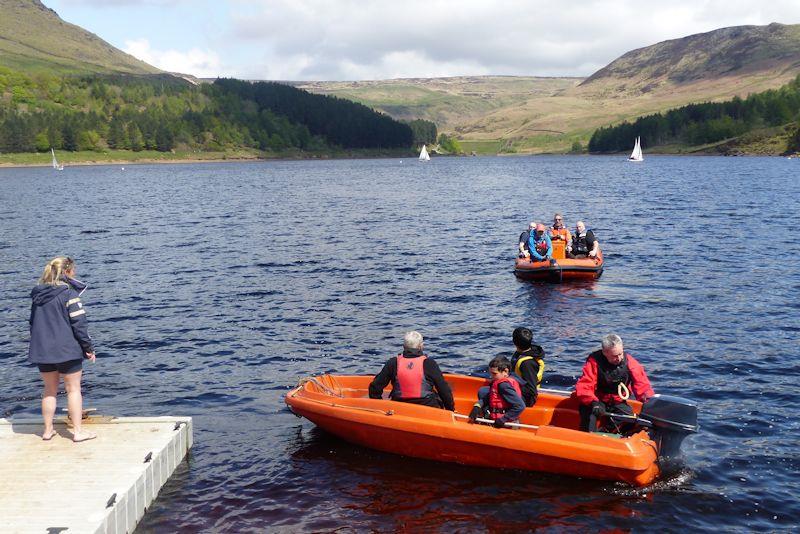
column 56, row 165
column 636, row 155
column 423, row 154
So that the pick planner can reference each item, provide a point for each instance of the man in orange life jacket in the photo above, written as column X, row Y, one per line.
column 502, row 400
column 415, row 377
column 527, row 363
column 609, row 376
column 560, row 232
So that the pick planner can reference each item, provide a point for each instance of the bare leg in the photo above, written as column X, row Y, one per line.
column 72, row 383
column 49, row 402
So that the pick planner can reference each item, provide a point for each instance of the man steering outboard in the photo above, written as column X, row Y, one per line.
column 610, row 376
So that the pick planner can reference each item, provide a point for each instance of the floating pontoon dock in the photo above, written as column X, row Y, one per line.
column 103, row 485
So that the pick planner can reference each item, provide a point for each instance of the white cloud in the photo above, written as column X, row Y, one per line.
column 118, row 3
column 352, row 39
column 376, row 39
column 201, row 63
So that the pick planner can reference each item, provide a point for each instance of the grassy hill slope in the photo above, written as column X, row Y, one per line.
column 548, row 114
column 452, row 103
column 33, row 38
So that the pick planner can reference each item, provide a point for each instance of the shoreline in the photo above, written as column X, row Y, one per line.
column 217, row 157
column 245, row 159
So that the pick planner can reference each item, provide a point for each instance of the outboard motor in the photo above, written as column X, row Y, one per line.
column 672, row 419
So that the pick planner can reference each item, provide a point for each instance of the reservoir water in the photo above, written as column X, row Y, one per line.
column 214, row 288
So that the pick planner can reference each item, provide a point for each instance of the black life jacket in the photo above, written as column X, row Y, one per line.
column 580, row 245
column 609, row 377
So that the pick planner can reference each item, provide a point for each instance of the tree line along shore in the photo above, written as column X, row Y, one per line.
column 105, row 114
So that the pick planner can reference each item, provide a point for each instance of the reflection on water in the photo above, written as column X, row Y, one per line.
column 405, row 493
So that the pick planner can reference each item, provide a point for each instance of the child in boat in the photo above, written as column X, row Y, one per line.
column 500, row 401
column 527, row 364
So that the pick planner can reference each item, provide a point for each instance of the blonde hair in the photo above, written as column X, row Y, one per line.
column 55, row 271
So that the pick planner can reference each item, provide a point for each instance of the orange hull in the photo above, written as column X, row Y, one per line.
column 564, row 270
column 340, row 405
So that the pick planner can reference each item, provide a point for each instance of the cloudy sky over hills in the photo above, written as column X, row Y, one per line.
column 361, row 40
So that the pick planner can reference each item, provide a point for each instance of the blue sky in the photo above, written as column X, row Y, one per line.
column 362, row 39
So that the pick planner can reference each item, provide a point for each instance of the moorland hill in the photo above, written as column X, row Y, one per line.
column 33, row 38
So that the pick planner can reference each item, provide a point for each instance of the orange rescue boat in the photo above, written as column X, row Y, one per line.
column 547, row 439
column 562, row 269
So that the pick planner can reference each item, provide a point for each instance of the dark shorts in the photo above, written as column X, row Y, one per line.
column 65, row 368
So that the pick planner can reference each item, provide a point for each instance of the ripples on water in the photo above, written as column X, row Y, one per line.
column 215, row 287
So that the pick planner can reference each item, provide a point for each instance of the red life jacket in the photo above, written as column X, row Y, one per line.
column 498, row 405
column 410, row 382
column 541, row 247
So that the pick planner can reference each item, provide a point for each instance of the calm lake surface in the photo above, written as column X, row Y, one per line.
column 214, row 288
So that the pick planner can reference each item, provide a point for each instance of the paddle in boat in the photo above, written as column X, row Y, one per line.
column 561, row 269
column 636, row 155
column 423, row 154
column 547, row 438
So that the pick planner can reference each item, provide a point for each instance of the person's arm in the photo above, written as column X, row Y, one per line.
column 549, row 253
column 78, row 322
column 382, row 379
column 523, row 242
column 433, row 372
column 594, row 245
column 642, row 389
column 587, row 383
column 509, row 394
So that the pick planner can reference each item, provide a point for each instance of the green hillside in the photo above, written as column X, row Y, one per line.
column 165, row 113
column 33, row 38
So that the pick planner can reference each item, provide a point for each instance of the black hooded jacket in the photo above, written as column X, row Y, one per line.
column 59, row 330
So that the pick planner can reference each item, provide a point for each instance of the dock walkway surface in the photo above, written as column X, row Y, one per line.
column 102, row 485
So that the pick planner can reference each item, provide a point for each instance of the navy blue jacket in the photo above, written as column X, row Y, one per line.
column 59, row 330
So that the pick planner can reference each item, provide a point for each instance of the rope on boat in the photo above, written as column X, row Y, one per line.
column 623, row 391
column 320, row 385
column 334, row 405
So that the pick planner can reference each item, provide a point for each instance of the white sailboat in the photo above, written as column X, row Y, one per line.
column 423, row 154
column 56, row 165
column 636, row 155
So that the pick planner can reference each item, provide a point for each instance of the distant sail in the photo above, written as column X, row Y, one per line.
column 636, row 155
column 423, row 154
column 56, row 165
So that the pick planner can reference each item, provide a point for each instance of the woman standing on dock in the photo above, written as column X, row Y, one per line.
column 60, row 341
